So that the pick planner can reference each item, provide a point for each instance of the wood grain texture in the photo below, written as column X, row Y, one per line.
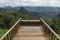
column 30, row 33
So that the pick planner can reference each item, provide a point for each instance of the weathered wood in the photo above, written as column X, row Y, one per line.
column 46, row 26
column 30, row 20
column 30, row 33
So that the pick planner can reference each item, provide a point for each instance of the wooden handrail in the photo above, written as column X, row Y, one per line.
column 11, row 31
column 49, row 30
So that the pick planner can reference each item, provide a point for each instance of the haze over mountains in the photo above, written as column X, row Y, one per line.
column 43, row 11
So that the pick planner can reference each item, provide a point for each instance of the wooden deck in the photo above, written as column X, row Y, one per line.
column 30, row 33
column 30, row 30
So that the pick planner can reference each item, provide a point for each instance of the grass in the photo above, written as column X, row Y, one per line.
column 2, row 31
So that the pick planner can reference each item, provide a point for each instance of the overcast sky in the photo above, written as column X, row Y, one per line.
column 30, row 3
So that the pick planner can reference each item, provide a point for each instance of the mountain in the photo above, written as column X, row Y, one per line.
column 39, row 11
column 46, row 12
column 38, row 8
column 43, row 8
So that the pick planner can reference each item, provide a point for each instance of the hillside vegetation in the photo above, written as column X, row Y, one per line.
column 54, row 24
column 9, row 15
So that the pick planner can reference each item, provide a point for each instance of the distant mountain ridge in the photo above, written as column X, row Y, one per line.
column 37, row 7
column 46, row 12
column 43, row 11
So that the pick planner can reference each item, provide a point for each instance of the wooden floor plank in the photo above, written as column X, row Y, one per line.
column 30, row 33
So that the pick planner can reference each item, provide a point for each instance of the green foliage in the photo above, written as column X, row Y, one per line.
column 9, row 16
column 55, row 24
column 8, row 19
column 2, row 31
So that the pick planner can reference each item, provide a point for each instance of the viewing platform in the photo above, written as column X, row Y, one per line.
column 30, row 30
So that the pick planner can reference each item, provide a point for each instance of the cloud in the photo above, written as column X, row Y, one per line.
column 29, row 2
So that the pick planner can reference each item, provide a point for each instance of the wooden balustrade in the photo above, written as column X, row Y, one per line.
column 49, row 32
column 11, row 32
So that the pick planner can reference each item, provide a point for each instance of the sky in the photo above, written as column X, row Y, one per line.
column 55, row 3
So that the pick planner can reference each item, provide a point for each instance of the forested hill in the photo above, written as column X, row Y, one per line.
column 9, row 15
column 41, row 12
column 46, row 12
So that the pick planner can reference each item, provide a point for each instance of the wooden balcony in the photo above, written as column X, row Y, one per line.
column 30, row 30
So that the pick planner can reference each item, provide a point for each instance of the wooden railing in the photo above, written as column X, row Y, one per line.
column 11, row 32
column 49, row 32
